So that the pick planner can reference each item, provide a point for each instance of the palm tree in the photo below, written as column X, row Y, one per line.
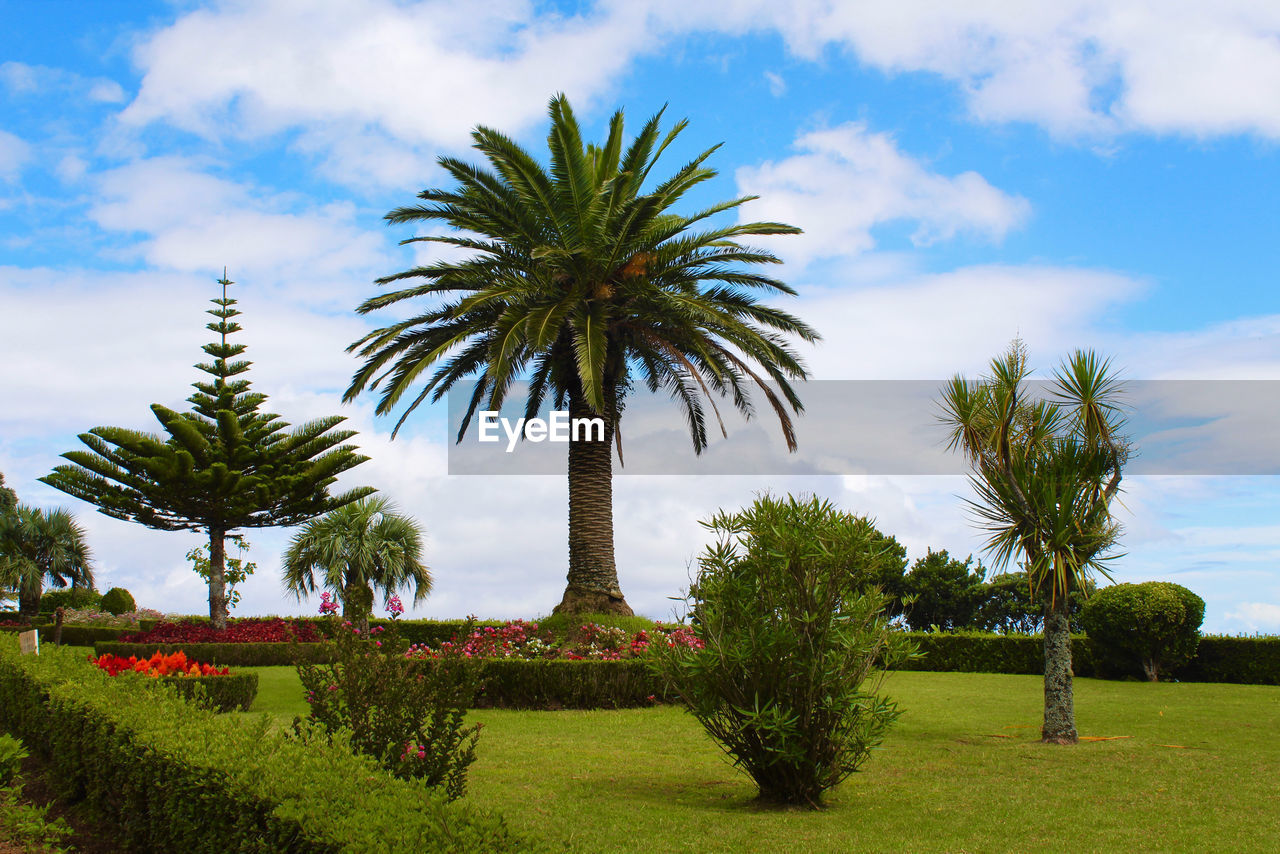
column 1045, row 474
column 355, row 549
column 38, row 546
column 584, row 283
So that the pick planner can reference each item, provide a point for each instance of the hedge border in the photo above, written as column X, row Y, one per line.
column 169, row 776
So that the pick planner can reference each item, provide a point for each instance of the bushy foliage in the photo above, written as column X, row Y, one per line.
column 790, row 637
column 1008, row 607
column 407, row 714
column 248, row 630
column 1244, row 660
column 117, row 600
column 11, row 755
column 78, row 598
column 1154, row 626
column 943, row 591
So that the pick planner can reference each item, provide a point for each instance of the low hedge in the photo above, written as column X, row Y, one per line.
column 1250, row 661
column 170, row 777
column 74, row 635
column 233, row 692
column 982, row 652
column 512, row 683
column 223, row 654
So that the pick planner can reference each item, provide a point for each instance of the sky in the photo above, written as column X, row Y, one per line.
column 1075, row 174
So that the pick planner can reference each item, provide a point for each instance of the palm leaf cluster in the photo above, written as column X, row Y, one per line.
column 38, row 546
column 583, row 282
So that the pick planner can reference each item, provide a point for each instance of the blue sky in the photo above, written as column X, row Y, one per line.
column 1079, row 174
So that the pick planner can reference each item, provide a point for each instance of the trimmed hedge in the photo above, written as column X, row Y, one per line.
column 981, row 652
column 233, row 692
column 512, row 683
column 1249, row 661
column 170, row 777
column 74, row 635
column 223, row 654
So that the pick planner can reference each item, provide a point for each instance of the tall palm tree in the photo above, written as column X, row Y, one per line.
column 356, row 549
column 1045, row 474
column 584, row 282
column 38, row 546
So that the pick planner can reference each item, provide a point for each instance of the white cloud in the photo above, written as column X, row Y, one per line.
column 14, row 154
column 847, row 180
column 1257, row 616
column 777, row 85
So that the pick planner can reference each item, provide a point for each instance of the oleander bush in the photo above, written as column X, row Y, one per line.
column 1149, row 629
column 792, row 646
column 171, row 777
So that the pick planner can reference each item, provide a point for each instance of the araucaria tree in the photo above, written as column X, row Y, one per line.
column 584, row 282
column 1045, row 472
column 224, row 465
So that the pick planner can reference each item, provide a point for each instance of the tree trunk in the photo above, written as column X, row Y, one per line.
column 357, row 604
column 593, row 575
column 1059, row 704
column 29, row 601
column 217, row 578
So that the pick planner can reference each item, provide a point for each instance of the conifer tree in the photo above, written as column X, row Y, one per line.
column 224, row 465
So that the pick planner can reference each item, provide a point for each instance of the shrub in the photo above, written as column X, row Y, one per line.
column 407, row 714
column 167, row 777
column 117, row 600
column 791, row 635
column 1246, row 660
column 1154, row 626
column 68, row 598
column 11, row 755
column 563, row 684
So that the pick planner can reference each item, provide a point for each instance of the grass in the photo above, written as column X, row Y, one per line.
column 1185, row 767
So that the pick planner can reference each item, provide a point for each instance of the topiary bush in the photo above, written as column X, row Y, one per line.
column 1151, row 627
column 117, row 600
column 787, row 635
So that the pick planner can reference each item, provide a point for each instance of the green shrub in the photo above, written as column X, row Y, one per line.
column 790, row 636
column 11, row 755
column 170, row 777
column 513, row 683
column 117, row 600
column 233, row 692
column 70, row 597
column 409, row 715
column 983, row 652
column 224, row 654
column 1149, row 628
column 26, row 827
column 1245, row 660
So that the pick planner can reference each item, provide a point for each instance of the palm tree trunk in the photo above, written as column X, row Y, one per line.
column 29, row 601
column 593, row 574
column 217, row 578
column 357, row 604
column 1059, row 704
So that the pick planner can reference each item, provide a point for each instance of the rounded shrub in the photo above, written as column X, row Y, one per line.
column 71, row 597
column 117, row 600
column 790, row 643
column 1151, row 627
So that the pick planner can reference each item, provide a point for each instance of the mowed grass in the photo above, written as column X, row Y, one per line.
column 1184, row 767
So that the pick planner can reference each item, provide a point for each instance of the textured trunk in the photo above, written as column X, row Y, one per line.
column 593, row 575
column 357, row 604
column 217, row 578
column 29, row 601
column 1059, row 704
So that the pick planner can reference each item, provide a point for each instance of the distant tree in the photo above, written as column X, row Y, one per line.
column 38, row 546
column 8, row 498
column 945, row 592
column 354, row 550
column 1008, row 607
column 1045, row 473
column 224, row 465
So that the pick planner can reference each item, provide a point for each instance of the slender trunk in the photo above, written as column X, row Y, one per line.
column 593, row 574
column 1059, row 705
column 217, row 578
column 357, row 604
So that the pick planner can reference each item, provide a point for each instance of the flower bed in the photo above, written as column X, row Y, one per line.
column 174, row 664
column 215, row 688
column 589, row 642
column 248, row 630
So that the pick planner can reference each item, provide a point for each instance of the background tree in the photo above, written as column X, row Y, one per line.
column 8, row 498
column 944, row 592
column 224, row 465
column 1045, row 473
column 584, row 281
column 356, row 549
column 1008, row 606
column 38, row 546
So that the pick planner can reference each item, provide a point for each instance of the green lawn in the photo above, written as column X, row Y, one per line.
column 1197, row 769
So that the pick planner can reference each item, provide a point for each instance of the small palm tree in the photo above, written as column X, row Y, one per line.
column 356, row 549
column 1045, row 474
column 38, row 546
column 584, row 282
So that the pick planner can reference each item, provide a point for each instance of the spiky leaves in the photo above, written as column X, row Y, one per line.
column 1045, row 473
column 582, row 280
column 223, row 465
column 355, row 550
column 38, row 546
